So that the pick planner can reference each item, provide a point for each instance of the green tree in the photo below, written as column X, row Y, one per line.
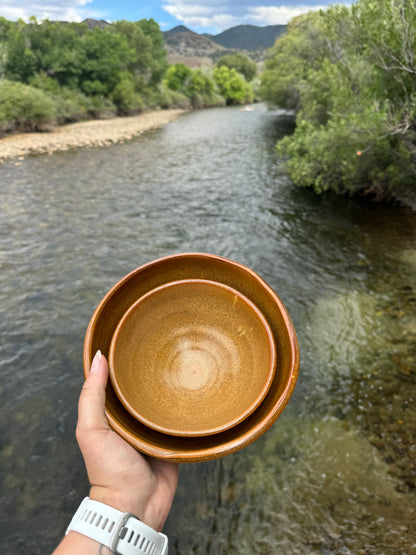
column 155, row 56
column 20, row 64
column 58, row 49
column 241, row 63
column 125, row 96
column 232, row 86
column 147, row 59
column 347, row 72
column 178, row 77
column 104, row 58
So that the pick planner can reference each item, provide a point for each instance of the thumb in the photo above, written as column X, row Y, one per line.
column 91, row 406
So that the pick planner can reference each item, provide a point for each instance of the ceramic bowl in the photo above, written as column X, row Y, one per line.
column 139, row 282
column 192, row 358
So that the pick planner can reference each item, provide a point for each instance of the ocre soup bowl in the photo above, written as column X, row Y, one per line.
column 196, row 266
column 192, row 357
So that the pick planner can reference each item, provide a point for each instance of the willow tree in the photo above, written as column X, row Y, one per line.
column 348, row 73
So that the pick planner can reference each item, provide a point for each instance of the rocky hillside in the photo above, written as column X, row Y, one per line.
column 181, row 41
column 92, row 23
column 193, row 49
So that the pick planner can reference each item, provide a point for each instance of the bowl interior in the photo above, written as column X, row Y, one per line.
column 192, row 358
column 196, row 266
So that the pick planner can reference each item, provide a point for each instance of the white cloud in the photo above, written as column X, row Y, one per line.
column 223, row 14
column 278, row 15
column 64, row 10
column 199, row 16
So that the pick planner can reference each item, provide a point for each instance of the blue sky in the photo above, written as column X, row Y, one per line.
column 211, row 16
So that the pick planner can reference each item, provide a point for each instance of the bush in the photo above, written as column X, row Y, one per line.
column 125, row 96
column 232, row 86
column 349, row 75
column 240, row 63
column 71, row 104
column 24, row 107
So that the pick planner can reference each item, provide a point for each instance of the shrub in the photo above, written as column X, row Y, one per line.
column 125, row 96
column 232, row 86
column 24, row 107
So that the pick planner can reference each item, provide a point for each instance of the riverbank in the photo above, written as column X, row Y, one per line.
column 85, row 134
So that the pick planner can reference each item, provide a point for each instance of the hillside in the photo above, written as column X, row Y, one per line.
column 92, row 23
column 181, row 41
column 249, row 37
column 193, row 49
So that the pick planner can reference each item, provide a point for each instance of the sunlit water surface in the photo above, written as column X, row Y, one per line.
column 336, row 473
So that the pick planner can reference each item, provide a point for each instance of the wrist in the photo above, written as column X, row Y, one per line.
column 122, row 501
column 113, row 529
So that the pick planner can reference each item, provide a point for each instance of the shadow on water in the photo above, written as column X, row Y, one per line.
column 336, row 473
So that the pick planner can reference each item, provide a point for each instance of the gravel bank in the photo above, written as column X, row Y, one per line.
column 85, row 134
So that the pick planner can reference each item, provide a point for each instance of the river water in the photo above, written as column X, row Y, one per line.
column 336, row 474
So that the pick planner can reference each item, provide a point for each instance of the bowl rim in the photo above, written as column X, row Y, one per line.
column 263, row 390
column 182, row 453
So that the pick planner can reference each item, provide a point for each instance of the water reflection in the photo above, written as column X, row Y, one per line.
column 336, row 474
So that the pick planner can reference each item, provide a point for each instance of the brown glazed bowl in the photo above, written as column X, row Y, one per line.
column 192, row 357
column 132, row 287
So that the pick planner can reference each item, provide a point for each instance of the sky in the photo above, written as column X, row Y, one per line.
column 202, row 16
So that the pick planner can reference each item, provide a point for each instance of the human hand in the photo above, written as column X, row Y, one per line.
column 119, row 475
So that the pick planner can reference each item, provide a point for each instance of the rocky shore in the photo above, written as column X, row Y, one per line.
column 85, row 134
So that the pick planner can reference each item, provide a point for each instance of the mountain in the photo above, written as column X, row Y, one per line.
column 193, row 49
column 178, row 29
column 92, row 23
column 181, row 41
column 249, row 37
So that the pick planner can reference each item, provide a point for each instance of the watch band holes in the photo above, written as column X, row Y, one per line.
column 93, row 518
column 104, row 525
column 111, row 526
column 136, row 541
column 130, row 537
column 100, row 517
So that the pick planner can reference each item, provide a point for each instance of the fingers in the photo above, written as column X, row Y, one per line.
column 91, row 407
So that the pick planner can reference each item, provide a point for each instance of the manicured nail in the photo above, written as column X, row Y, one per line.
column 96, row 361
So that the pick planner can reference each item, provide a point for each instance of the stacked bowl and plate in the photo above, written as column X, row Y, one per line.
column 203, row 356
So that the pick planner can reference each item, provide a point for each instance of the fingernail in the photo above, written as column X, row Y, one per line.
column 96, row 361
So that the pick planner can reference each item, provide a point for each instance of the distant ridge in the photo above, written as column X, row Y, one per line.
column 181, row 41
column 92, row 23
column 249, row 37
column 178, row 29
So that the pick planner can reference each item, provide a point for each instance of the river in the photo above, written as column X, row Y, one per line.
column 336, row 474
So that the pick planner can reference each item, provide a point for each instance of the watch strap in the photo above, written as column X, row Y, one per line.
column 121, row 532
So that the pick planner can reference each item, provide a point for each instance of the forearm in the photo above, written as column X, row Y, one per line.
column 81, row 545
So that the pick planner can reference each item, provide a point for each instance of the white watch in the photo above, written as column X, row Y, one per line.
column 121, row 532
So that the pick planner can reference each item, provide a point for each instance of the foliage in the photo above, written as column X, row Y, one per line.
column 88, row 71
column 178, row 77
column 70, row 104
column 125, row 96
column 241, row 63
column 194, row 84
column 349, row 74
column 232, row 86
column 24, row 107
column 81, row 72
